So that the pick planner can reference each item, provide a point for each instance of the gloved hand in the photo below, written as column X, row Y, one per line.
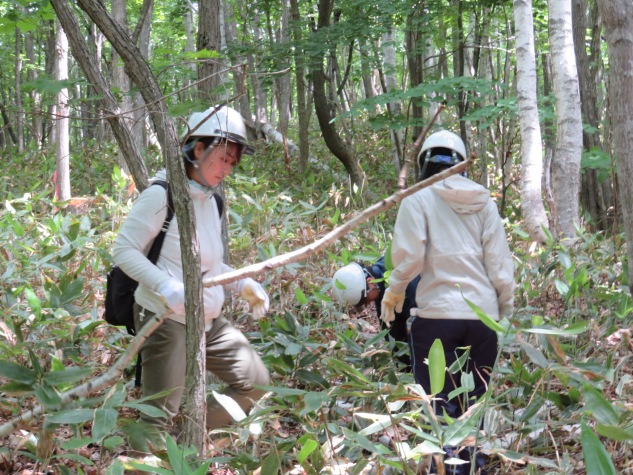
column 172, row 292
column 391, row 302
column 256, row 297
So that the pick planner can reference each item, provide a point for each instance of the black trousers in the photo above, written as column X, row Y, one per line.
column 455, row 336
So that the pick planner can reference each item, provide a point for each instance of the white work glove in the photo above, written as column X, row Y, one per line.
column 391, row 302
column 256, row 297
column 173, row 293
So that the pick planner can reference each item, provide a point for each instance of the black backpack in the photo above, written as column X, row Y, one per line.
column 120, row 288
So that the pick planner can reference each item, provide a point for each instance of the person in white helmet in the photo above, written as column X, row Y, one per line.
column 359, row 285
column 215, row 142
column 451, row 234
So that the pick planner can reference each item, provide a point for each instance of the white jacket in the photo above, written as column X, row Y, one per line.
column 141, row 227
column 452, row 235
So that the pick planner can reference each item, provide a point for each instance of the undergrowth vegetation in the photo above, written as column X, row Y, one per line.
column 560, row 401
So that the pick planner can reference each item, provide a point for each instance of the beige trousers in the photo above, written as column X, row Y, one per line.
column 228, row 355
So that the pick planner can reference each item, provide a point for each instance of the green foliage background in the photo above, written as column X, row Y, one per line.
column 561, row 393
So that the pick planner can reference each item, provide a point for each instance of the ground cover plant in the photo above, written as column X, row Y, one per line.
column 561, row 396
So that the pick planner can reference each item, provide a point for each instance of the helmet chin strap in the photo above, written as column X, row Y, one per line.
column 196, row 167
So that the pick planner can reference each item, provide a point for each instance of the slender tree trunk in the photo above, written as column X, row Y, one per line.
column 531, row 149
column 303, row 116
column 209, row 38
column 617, row 16
column 391, row 84
column 414, row 43
column 591, row 197
column 61, row 119
column 19, row 113
column 120, row 79
column 568, row 149
column 330, row 135
column 141, row 36
column 190, row 47
column 31, row 75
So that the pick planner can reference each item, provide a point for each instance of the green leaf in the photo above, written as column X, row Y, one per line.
column 284, row 391
column 111, row 443
column 615, row 432
column 77, row 443
column 71, row 416
column 309, row 447
column 364, row 442
column 17, row 373
column 597, row 459
column 103, row 422
column 313, row 402
column 437, row 366
column 74, row 457
column 176, row 457
column 536, row 355
column 300, row 296
column 347, row 370
column 47, row 395
column 599, row 406
column 489, row 322
column 16, row 389
column 34, row 301
column 271, row 463
column 73, row 291
column 65, row 376
column 311, row 377
column 574, row 329
column 147, row 409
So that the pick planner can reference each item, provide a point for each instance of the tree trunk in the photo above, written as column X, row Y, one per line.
column 531, row 149
column 391, row 84
column 209, row 38
column 31, row 75
column 120, row 79
column 617, row 16
column 331, row 137
column 414, row 43
column 90, row 67
column 303, row 116
column 568, row 148
column 282, row 80
column 61, row 119
column 591, row 197
column 141, row 37
column 19, row 112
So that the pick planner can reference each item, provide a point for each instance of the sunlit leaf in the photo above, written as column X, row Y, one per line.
column 437, row 366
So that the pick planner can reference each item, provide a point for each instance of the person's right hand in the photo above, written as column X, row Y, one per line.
column 172, row 292
column 391, row 302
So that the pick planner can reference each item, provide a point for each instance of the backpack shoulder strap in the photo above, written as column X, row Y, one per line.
column 157, row 245
column 220, row 202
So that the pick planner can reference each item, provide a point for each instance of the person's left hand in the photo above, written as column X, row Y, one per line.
column 392, row 302
column 256, row 297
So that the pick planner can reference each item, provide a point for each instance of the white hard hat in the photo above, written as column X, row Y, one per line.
column 349, row 284
column 446, row 140
column 225, row 122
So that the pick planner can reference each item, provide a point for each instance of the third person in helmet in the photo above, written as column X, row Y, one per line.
column 451, row 234
column 358, row 285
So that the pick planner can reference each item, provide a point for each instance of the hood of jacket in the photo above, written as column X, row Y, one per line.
column 196, row 190
column 463, row 195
